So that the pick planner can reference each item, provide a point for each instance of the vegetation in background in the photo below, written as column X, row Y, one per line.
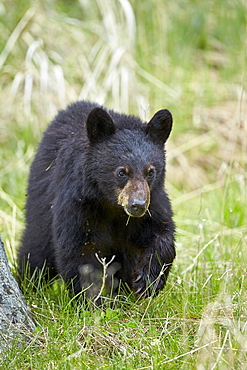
column 137, row 57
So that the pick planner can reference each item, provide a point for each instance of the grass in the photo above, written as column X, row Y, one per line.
column 138, row 57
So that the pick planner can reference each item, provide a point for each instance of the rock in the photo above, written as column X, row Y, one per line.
column 16, row 324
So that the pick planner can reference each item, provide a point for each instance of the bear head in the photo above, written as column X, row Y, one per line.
column 127, row 157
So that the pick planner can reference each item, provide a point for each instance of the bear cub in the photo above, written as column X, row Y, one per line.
column 96, row 196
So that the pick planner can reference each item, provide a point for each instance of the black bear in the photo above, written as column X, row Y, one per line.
column 96, row 195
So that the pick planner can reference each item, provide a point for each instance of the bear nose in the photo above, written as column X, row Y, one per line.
column 138, row 207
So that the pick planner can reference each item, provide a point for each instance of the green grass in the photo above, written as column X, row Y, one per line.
column 187, row 56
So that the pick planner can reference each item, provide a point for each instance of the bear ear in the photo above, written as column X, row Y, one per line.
column 159, row 127
column 99, row 125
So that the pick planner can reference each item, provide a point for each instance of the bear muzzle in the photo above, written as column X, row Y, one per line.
column 137, row 207
column 135, row 198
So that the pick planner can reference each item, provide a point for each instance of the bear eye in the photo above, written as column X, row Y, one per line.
column 151, row 173
column 122, row 173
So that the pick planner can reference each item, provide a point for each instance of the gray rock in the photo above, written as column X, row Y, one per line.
column 15, row 321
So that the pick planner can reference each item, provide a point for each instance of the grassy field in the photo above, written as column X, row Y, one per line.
column 138, row 57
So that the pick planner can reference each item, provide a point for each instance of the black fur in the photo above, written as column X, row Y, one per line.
column 72, row 209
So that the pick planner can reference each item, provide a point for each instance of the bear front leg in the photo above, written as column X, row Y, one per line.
column 78, row 266
column 70, row 242
column 153, row 267
column 79, row 260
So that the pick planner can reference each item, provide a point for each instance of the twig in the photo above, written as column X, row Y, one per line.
column 104, row 276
